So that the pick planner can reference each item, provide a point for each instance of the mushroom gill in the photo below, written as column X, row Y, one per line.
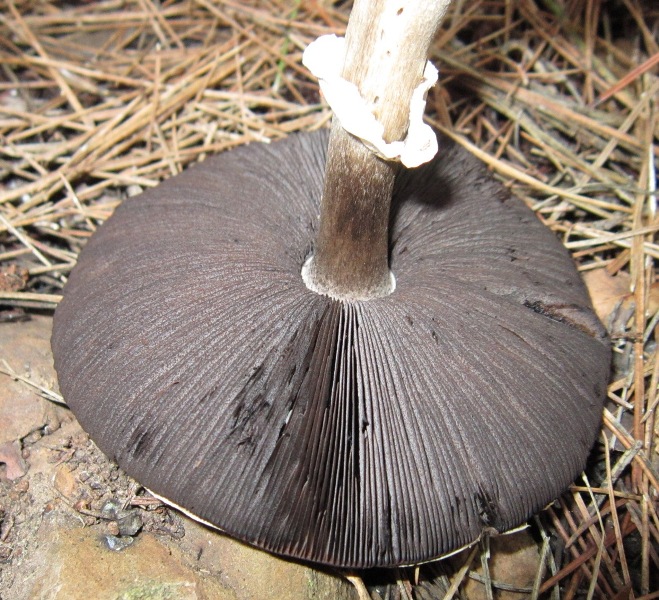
column 354, row 433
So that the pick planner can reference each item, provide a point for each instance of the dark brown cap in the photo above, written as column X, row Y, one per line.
column 382, row 432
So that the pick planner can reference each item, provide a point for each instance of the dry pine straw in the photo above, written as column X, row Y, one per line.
column 100, row 100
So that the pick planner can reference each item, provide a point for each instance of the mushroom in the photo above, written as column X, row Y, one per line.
column 349, row 417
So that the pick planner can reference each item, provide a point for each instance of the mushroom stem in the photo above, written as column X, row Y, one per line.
column 387, row 46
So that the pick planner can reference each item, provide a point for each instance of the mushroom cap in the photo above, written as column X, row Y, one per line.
column 357, row 434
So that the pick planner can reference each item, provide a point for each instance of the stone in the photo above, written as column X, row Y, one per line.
column 25, row 347
column 252, row 573
column 65, row 482
column 514, row 561
column 76, row 564
column 11, row 456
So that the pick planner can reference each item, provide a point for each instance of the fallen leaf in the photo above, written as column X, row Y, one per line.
column 607, row 291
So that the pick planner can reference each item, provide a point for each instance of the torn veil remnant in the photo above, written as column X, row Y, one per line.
column 355, row 428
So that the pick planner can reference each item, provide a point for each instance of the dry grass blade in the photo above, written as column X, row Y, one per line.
column 100, row 100
column 44, row 392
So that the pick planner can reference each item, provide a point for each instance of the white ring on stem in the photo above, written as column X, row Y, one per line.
column 324, row 57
